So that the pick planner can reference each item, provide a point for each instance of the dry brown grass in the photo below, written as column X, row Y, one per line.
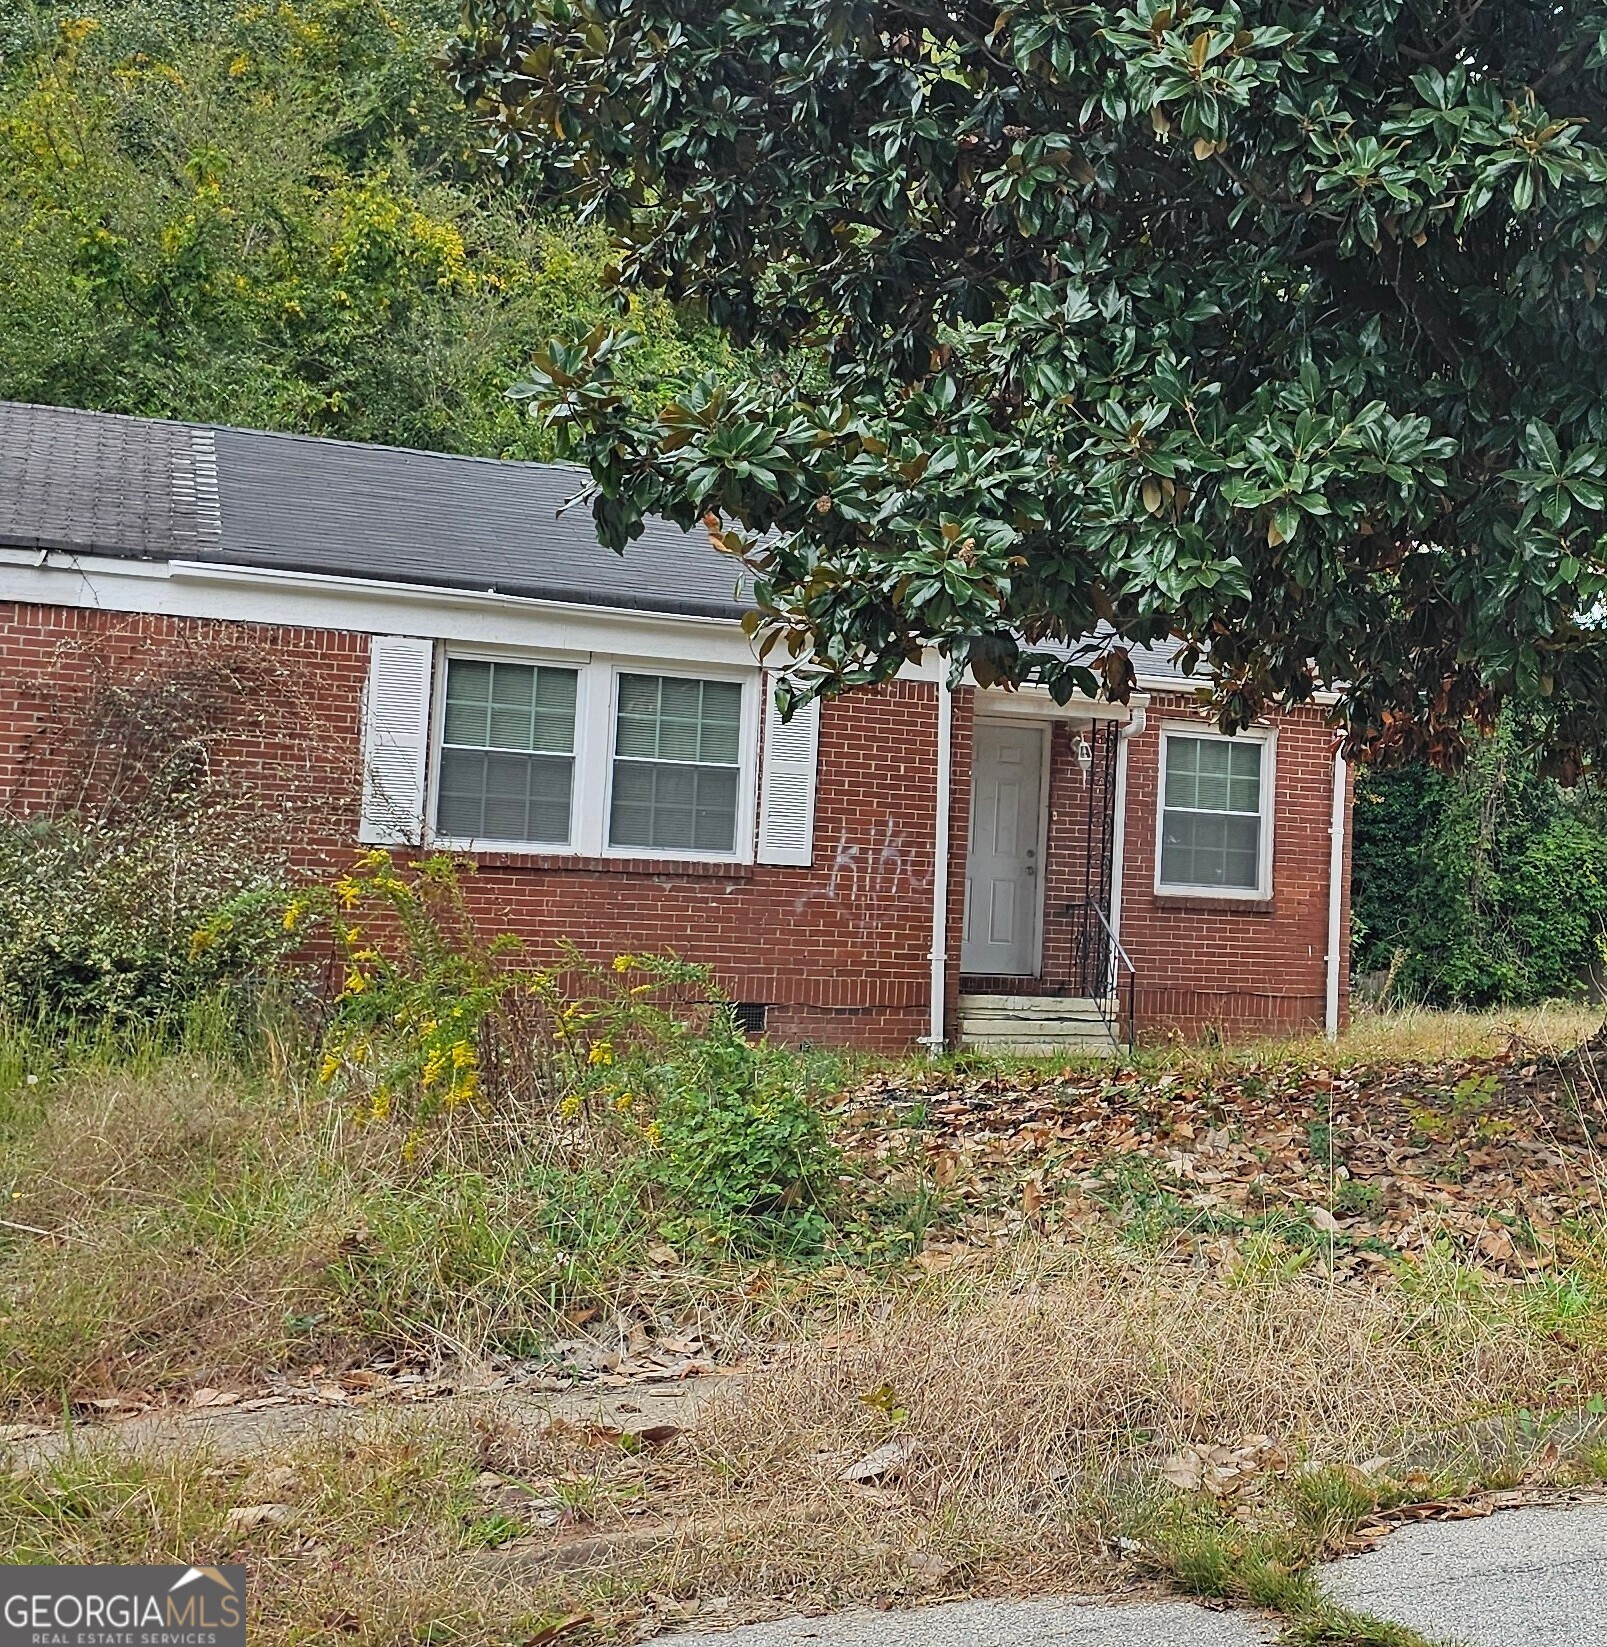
column 1407, row 1034
column 1031, row 1404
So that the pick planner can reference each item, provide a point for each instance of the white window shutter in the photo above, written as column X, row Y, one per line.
column 787, row 796
column 396, row 739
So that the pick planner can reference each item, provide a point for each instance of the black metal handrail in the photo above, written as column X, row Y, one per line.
column 1098, row 964
column 1119, row 958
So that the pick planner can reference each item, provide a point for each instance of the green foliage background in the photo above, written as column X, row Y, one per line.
column 276, row 215
column 1483, row 888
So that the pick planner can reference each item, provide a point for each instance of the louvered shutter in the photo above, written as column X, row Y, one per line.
column 396, row 738
column 787, row 791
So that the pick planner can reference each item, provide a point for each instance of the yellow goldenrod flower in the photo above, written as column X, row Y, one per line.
column 623, row 963
column 653, row 1132
column 600, row 1052
column 293, row 913
column 329, row 1068
column 380, row 1108
column 569, row 1108
column 410, row 1145
column 348, row 891
column 625, row 1100
column 356, row 982
column 433, row 1066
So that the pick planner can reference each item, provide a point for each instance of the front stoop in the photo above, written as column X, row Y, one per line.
column 1033, row 1023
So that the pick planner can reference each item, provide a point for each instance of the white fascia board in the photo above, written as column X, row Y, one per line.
column 191, row 589
column 1188, row 685
column 1039, row 703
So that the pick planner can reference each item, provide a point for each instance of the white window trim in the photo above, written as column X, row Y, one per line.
column 1267, row 738
column 596, row 725
column 747, row 764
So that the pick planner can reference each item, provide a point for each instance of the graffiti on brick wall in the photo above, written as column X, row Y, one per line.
column 869, row 868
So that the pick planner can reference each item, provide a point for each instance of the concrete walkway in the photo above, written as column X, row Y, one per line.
column 1523, row 1578
column 1069, row 1623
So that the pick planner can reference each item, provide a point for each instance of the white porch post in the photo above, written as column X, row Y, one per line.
column 936, row 1037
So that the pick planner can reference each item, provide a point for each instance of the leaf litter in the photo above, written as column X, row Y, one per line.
column 1496, row 1159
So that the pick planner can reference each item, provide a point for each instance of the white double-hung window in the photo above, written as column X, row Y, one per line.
column 507, row 752
column 1216, row 814
column 677, row 764
column 595, row 756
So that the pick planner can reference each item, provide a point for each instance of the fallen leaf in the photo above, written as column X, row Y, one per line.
column 884, row 1461
column 247, row 1516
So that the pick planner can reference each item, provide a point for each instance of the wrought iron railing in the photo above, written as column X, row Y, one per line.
column 1102, row 971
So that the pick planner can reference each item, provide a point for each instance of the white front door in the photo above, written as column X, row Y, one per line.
column 1002, row 896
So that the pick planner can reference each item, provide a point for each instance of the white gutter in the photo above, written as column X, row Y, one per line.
column 1336, row 897
column 1118, row 849
column 936, row 1037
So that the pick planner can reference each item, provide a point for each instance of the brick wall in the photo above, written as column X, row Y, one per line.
column 1236, row 967
column 839, row 952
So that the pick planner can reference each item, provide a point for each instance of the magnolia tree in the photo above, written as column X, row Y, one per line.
column 1272, row 328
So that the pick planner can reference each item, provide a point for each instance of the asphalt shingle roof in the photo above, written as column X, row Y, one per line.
column 92, row 482
column 104, row 484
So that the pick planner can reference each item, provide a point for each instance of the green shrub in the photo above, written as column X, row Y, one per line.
column 439, row 1031
column 740, row 1149
column 102, row 922
column 1484, row 888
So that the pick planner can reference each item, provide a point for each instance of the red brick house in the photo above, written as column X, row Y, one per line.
column 470, row 669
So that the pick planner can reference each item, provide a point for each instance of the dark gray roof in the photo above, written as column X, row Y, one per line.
column 99, row 483
column 92, row 482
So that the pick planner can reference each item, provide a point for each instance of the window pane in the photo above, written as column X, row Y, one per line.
column 674, row 807
column 510, row 706
column 555, row 710
column 638, row 716
column 715, row 826
column 1211, row 850
column 722, row 723
column 1211, row 775
column 677, row 752
column 468, row 701
column 499, row 796
column 513, row 693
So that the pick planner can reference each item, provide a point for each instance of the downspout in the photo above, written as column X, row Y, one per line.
column 1118, row 856
column 936, row 1037
column 1336, row 896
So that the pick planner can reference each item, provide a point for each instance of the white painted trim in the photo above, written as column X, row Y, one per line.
column 936, row 1037
column 1336, row 897
column 1118, row 850
column 234, row 594
column 745, row 826
column 994, row 703
column 445, row 655
column 1267, row 737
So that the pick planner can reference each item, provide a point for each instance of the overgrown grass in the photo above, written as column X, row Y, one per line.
column 1027, row 1414
column 176, row 1214
column 1375, row 1035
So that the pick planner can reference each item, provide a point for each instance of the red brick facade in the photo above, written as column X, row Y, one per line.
column 839, row 951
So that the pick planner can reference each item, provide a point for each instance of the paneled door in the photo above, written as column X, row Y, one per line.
column 1003, row 889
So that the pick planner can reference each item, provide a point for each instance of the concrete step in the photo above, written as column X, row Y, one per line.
column 1102, row 1046
column 1030, row 1006
column 1033, row 1024
column 1044, row 1028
